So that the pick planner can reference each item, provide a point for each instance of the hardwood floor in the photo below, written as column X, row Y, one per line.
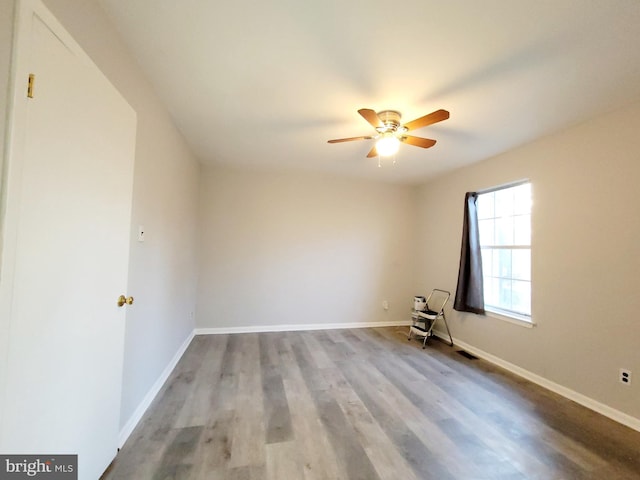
column 363, row 404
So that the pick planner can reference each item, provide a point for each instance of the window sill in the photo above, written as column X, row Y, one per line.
column 512, row 318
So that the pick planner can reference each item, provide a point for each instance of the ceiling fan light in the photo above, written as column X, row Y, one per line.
column 387, row 145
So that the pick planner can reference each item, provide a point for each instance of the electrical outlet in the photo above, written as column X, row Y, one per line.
column 385, row 305
column 625, row 376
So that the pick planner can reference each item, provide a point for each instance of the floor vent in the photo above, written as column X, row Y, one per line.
column 467, row 355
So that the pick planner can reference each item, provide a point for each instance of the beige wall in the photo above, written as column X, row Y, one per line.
column 285, row 248
column 162, row 273
column 585, row 256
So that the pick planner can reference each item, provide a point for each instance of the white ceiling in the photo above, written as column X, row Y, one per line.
column 266, row 83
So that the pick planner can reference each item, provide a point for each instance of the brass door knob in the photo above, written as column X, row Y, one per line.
column 122, row 300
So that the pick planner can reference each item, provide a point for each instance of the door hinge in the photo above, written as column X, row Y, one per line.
column 32, row 79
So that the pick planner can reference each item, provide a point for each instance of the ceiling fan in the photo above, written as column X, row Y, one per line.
column 390, row 132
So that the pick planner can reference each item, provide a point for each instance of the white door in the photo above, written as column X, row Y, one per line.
column 67, row 248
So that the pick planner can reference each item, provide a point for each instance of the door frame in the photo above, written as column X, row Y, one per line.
column 11, row 175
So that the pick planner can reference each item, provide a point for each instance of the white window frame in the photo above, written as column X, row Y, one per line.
column 493, row 311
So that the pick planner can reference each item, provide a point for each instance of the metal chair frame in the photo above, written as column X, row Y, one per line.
column 428, row 317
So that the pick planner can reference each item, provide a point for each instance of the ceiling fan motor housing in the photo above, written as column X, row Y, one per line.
column 391, row 121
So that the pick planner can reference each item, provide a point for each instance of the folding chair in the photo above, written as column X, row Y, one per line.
column 422, row 321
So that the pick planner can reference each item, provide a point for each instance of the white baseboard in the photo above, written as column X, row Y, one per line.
column 151, row 394
column 297, row 328
column 601, row 408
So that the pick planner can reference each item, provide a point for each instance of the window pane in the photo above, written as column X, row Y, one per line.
column 521, row 264
column 484, row 205
column 504, row 231
column 503, row 202
column 488, row 290
column 486, row 228
column 502, row 263
column 504, row 293
column 492, row 291
column 522, row 199
column 487, row 262
column 521, row 297
column 522, row 229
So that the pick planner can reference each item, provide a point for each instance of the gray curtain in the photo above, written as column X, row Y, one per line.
column 470, row 291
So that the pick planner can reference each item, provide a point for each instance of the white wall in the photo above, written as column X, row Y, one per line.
column 585, row 256
column 163, row 269
column 285, row 248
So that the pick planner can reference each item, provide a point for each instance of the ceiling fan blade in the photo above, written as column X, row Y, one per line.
column 371, row 116
column 418, row 141
column 433, row 117
column 351, row 139
column 373, row 152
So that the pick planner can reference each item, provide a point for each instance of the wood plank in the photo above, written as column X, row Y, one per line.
column 197, row 406
column 248, row 432
column 214, row 450
column 277, row 418
column 177, row 459
column 320, row 357
column 385, row 457
column 314, row 448
column 283, row 461
column 351, row 456
column 419, row 450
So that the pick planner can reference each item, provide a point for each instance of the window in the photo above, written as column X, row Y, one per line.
column 504, row 222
